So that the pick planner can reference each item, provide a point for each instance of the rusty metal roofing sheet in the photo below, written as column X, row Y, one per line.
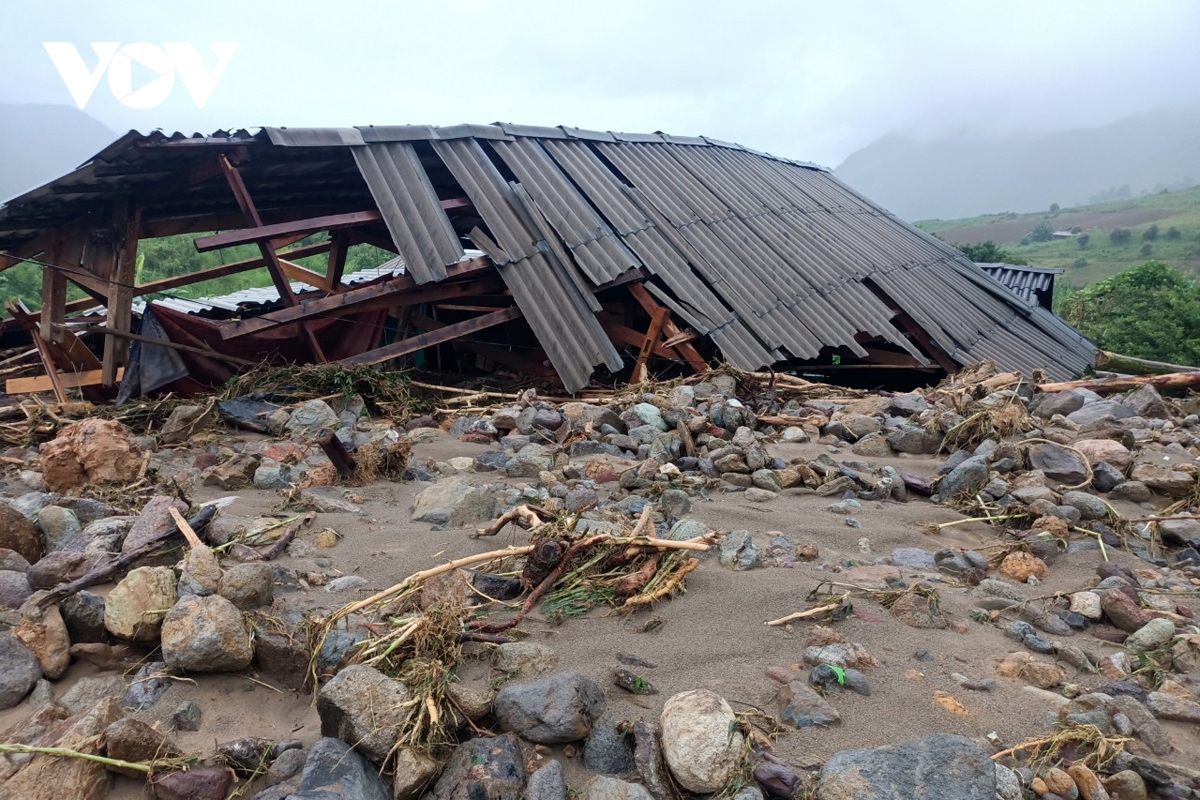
column 410, row 208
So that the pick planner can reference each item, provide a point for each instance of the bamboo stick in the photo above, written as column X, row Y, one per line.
column 812, row 612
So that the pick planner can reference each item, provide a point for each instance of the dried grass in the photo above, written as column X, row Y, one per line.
column 389, row 392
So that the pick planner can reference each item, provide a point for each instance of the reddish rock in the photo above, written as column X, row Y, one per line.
column 53, row 778
column 90, row 451
column 916, row 611
column 1020, row 565
column 1122, row 611
column 19, row 534
column 1107, row 450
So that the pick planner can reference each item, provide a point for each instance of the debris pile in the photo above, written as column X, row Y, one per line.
column 1056, row 533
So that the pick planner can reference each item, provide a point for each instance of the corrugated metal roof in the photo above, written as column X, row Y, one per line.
column 771, row 258
column 1024, row 280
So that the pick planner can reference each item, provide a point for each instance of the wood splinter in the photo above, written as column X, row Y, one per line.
column 338, row 455
column 524, row 516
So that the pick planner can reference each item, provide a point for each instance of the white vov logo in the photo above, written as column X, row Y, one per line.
column 164, row 61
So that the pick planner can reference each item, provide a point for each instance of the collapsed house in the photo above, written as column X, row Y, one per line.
column 594, row 250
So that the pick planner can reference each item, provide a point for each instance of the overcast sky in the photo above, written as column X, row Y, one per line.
column 808, row 80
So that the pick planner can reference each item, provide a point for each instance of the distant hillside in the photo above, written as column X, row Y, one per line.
column 1163, row 226
column 41, row 142
column 965, row 175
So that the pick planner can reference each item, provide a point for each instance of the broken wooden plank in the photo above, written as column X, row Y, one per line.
column 67, row 380
column 19, row 312
column 1103, row 386
column 187, row 348
column 686, row 351
column 652, row 335
column 494, row 352
column 304, row 227
column 446, row 334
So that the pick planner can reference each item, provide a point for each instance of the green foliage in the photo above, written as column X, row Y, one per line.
column 1151, row 311
column 1042, row 232
column 1079, row 263
column 1120, row 235
column 988, row 253
column 1083, row 240
column 1151, row 233
column 1054, row 208
column 1147, row 249
column 1173, row 233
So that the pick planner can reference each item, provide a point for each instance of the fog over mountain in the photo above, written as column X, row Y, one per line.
column 40, row 142
column 964, row 174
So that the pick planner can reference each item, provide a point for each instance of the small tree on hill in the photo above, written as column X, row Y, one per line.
column 1120, row 235
column 1147, row 249
column 1173, row 233
column 1083, row 240
column 988, row 253
column 1042, row 232
column 1151, row 233
column 1054, row 208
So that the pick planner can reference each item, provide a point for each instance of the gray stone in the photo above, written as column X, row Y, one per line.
column 58, row 526
column 908, row 405
column 1106, row 477
column 1144, row 725
column 14, row 588
column 1171, row 482
column 531, row 460
column 602, row 787
column 913, row 439
column 766, row 479
column 649, row 414
column 965, row 480
column 455, row 503
column 1169, row 706
column 205, row 634
column 1058, row 463
column 873, row 445
column 1134, row 491
column 249, row 585
column 801, row 707
column 13, row 561
column 19, row 534
column 547, row 782
column 485, row 768
column 1089, row 506
column 1151, row 636
column 363, row 706
column 134, row 609
column 675, row 504
column 524, row 658
column 561, row 708
column 757, row 495
column 91, row 690
column 579, row 499
column 187, row 717
column 286, row 765
column 83, row 612
column 19, row 671
column 607, row 751
column 1063, row 403
column 1145, row 401
column 852, row 427
column 1091, row 413
column 310, row 418
column 334, row 771
column 736, row 550
column 688, row 529
column 148, row 684
column 1008, row 784
column 699, row 740
column 944, row 766
column 913, row 558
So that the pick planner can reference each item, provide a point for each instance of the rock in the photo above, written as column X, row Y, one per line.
column 603, row 787
column 1146, row 402
column 607, row 751
column 1122, row 610
column 363, row 706
column 454, row 503
column 852, row 427
column 201, row 573
column 52, row 778
column 310, row 418
column 1043, row 675
column 1169, row 706
column 11, row 560
column 14, row 588
column 913, row 439
column 184, row 421
column 1105, row 451
column 801, row 707
column 281, row 650
column 134, row 609
column 561, row 708
column 485, row 768
column 526, row 658
column 1151, row 636
column 45, row 634
column 1089, row 506
column 153, row 522
column 943, row 766
column 547, row 782
column 736, row 550
column 19, row 671
column 1086, row 781
column 89, row 691
column 699, row 741
column 649, row 414
column 965, row 480
column 1142, row 720
column 58, row 526
column 60, row 566
column 414, row 770
column 205, row 634
column 130, row 739
column 148, row 685
column 271, row 474
column 1008, row 784
column 913, row 558
column 187, row 717
column 96, row 451
column 1058, row 781
column 1126, row 784
column 1092, row 413
column 195, row 783
column 1133, row 491
column 20, row 535
column 1164, row 480
column 249, row 585
column 1058, row 463
column 1106, row 478
column 916, row 611
column 334, row 771
column 1020, row 566
column 757, row 495
column 346, row 583
column 766, row 479
column 1086, row 604
column 237, row 473
column 873, row 445
column 675, row 503
column 1062, row 403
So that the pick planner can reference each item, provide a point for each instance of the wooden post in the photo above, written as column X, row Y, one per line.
column 54, row 294
column 689, row 353
column 278, row 276
column 339, row 246
column 341, row 459
column 652, row 336
column 120, row 294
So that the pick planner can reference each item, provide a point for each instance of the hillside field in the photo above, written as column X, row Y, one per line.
column 1100, row 257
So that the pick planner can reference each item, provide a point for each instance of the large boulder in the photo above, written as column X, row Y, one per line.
column 1111, row 451
column 1092, row 413
column 699, row 740
column 19, row 671
column 43, row 631
column 1164, row 480
column 310, row 418
column 1058, row 403
column 944, row 766
column 134, row 609
column 205, row 634
column 334, row 771
column 561, row 708
column 90, row 451
column 20, row 535
column 1058, row 463
column 454, row 503
column 1145, row 401
column 363, row 706
column 485, row 768
column 52, row 778
column 154, row 521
